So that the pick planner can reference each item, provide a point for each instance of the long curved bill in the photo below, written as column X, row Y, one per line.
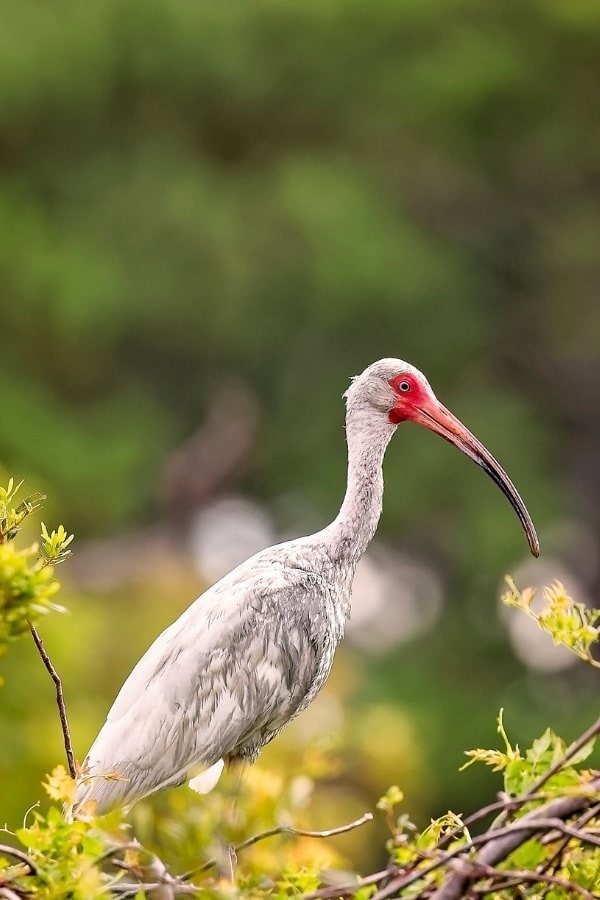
column 440, row 420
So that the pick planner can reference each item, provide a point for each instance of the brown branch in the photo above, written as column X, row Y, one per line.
column 283, row 829
column 518, row 876
column 163, row 885
column 569, row 753
column 20, row 855
column 348, row 889
column 502, row 842
column 552, row 861
column 161, row 888
column 506, row 804
column 497, row 844
column 586, row 837
column 8, row 894
column 60, row 699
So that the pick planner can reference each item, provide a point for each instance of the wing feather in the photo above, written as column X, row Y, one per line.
column 242, row 658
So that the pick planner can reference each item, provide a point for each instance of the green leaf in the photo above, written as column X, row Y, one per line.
column 584, row 753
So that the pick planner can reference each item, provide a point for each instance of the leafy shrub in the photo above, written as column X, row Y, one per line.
column 543, row 837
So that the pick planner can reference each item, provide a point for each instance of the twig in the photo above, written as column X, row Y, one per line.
column 60, row 699
column 118, row 848
column 518, row 876
column 132, row 889
column 578, row 824
column 283, row 829
column 500, row 886
column 8, row 894
column 340, row 890
column 558, row 825
column 165, row 885
column 505, row 804
column 569, row 753
column 502, row 841
column 22, row 857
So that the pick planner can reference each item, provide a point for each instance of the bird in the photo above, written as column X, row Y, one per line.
column 257, row 647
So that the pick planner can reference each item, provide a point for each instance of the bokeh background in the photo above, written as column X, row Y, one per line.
column 211, row 215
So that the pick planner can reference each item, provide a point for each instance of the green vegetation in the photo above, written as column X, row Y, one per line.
column 544, row 834
column 219, row 212
column 27, row 581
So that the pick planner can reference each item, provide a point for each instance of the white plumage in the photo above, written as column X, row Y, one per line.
column 253, row 651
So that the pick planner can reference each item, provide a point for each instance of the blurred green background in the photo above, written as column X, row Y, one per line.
column 211, row 215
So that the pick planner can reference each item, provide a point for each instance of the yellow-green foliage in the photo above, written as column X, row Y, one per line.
column 27, row 582
column 26, row 590
column 570, row 624
column 572, row 861
column 263, row 813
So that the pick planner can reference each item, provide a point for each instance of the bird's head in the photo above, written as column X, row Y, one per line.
column 401, row 393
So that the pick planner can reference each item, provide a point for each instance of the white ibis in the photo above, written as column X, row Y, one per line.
column 254, row 650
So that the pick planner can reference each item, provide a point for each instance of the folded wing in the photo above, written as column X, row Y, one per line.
column 219, row 682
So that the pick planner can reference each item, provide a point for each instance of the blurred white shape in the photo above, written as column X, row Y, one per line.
column 531, row 645
column 227, row 532
column 324, row 716
column 578, row 544
column 301, row 791
column 394, row 599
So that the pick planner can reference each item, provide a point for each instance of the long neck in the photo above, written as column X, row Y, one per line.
column 351, row 531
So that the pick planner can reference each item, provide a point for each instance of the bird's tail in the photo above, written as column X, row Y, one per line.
column 96, row 794
column 206, row 780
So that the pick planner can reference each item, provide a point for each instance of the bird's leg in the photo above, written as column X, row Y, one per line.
column 232, row 861
column 236, row 765
column 227, row 852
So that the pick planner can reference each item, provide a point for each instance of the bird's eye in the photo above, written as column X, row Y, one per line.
column 404, row 386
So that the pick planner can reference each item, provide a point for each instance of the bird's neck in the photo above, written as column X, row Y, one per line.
column 352, row 530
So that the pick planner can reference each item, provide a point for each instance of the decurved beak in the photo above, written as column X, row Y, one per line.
column 437, row 418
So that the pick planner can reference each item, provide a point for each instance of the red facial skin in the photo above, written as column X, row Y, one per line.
column 417, row 404
column 408, row 402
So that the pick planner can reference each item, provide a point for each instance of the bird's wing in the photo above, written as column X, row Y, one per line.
column 241, row 658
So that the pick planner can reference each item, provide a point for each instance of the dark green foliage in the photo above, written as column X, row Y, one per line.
column 281, row 193
column 285, row 193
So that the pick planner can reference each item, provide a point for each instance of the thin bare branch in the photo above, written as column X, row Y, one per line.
column 8, row 894
column 503, row 841
column 20, row 855
column 132, row 889
column 60, row 699
column 350, row 888
column 500, row 842
column 518, row 876
column 569, row 753
column 506, row 804
column 578, row 824
column 283, row 829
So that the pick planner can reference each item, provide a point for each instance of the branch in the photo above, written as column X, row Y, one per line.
column 8, row 894
column 22, row 857
column 578, row 824
column 570, row 752
column 349, row 889
column 498, row 843
column 60, row 699
column 502, row 842
column 506, row 804
column 586, row 837
column 518, row 876
column 283, row 829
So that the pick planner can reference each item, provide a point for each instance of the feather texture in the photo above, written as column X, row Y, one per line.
column 254, row 650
